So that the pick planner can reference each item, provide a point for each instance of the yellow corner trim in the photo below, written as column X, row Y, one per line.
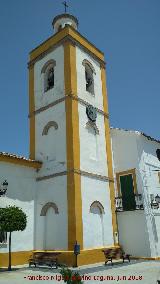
column 108, row 151
column 75, row 227
column 31, row 110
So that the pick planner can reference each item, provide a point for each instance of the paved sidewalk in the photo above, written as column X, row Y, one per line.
column 140, row 272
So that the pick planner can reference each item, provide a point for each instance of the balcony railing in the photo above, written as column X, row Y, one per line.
column 138, row 203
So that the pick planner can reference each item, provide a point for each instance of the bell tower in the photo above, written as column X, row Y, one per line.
column 70, row 134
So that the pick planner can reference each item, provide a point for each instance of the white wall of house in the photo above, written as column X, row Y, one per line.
column 21, row 193
column 124, row 146
column 148, row 163
column 133, row 233
column 134, row 150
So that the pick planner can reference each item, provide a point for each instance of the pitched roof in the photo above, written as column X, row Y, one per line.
column 15, row 159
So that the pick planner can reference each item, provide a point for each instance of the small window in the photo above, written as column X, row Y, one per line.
column 3, row 237
column 48, row 72
column 49, row 78
column 89, row 79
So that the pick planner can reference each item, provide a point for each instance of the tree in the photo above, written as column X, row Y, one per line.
column 12, row 219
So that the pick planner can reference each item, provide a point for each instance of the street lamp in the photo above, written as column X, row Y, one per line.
column 3, row 188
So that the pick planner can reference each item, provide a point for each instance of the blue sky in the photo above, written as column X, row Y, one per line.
column 127, row 31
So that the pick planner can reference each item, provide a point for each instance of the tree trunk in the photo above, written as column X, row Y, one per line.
column 9, row 265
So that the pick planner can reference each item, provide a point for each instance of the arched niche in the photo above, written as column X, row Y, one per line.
column 47, row 206
column 48, row 126
column 97, row 204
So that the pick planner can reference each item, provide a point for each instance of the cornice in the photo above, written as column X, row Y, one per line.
column 78, row 172
column 67, row 96
column 67, row 33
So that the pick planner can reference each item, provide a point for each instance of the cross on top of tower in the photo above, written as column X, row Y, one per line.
column 65, row 6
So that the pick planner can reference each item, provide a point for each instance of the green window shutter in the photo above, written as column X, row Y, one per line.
column 127, row 190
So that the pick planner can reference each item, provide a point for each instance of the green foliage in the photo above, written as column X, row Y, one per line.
column 12, row 219
column 70, row 277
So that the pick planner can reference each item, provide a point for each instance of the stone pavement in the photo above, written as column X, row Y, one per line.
column 140, row 272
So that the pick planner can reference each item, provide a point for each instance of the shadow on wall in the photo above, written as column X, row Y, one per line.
column 20, row 188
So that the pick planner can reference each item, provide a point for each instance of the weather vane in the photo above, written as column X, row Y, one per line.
column 65, row 6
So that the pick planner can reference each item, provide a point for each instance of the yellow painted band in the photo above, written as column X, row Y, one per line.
column 75, row 226
column 87, row 256
column 31, row 110
column 108, row 151
column 18, row 258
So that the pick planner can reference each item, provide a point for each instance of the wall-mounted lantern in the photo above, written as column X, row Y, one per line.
column 3, row 188
column 76, row 251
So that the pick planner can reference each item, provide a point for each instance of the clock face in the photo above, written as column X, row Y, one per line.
column 91, row 113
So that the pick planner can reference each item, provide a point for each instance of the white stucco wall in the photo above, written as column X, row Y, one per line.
column 21, row 193
column 97, row 98
column 52, row 190
column 44, row 98
column 51, row 231
column 134, row 150
column 97, row 231
column 96, row 190
column 51, row 148
column 92, row 147
column 124, row 146
column 156, row 232
column 133, row 233
column 148, row 164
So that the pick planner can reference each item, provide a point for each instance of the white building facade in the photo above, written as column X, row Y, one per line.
column 136, row 157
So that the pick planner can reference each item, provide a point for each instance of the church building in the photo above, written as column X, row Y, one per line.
column 67, row 187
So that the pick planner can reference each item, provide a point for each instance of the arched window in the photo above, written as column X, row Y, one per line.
column 48, row 72
column 89, row 71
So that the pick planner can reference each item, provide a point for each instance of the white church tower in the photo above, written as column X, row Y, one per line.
column 70, row 134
